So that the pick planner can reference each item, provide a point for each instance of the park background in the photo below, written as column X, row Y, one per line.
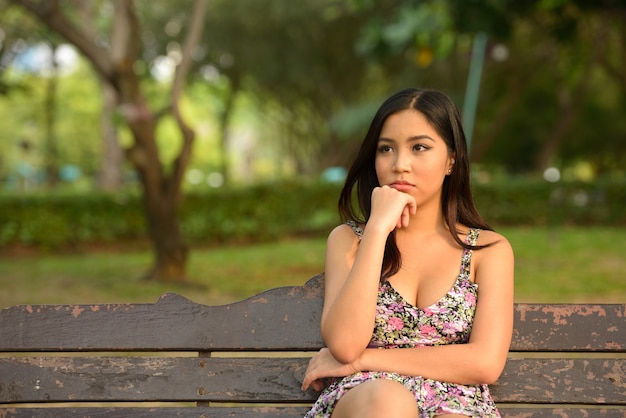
column 198, row 146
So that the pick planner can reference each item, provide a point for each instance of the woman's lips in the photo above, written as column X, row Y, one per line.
column 401, row 186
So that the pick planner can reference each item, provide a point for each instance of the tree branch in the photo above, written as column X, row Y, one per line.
column 125, row 43
column 49, row 13
column 191, row 41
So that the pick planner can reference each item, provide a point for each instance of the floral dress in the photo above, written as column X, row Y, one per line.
column 399, row 324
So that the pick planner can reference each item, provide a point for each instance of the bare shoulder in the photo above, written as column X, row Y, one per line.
column 495, row 260
column 494, row 240
column 342, row 238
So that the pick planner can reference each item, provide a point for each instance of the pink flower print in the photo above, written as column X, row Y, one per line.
column 450, row 328
column 430, row 392
column 470, row 299
column 396, row 323
column 428, row 330
column 396, row 307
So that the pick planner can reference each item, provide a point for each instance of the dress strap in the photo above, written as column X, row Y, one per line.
column 466, row 260
column 356, row 228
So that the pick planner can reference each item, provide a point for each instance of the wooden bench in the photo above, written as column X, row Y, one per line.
column 181, row 359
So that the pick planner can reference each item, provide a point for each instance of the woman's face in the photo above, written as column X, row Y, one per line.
column 412, row 157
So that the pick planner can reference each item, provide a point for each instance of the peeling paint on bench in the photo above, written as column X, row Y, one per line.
column 566, row 360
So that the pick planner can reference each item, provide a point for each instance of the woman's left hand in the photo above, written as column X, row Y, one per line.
column 323, row 365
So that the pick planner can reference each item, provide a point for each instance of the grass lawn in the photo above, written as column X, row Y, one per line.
column 560, row 265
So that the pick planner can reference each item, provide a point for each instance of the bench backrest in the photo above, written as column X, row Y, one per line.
column 248, row 358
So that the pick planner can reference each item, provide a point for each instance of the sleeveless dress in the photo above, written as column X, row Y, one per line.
column 399, row 324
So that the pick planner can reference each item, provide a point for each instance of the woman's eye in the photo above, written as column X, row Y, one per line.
column 420, row 147
column 384, row 148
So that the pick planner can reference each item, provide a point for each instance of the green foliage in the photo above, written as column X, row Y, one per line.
column 317, row 69
column 259, row 213
column 539, row 203
column 278, row 210
column 52, row 222
column 75, row 135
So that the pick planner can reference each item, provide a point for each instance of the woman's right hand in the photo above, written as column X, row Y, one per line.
column 323, row 365
column 391, row 208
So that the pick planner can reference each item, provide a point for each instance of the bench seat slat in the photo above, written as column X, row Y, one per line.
column 272, row 412
column 271, row 380
column 89, row 379
column 582, row 381
column 150, row 412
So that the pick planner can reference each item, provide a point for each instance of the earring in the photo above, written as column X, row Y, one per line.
column 449, row 171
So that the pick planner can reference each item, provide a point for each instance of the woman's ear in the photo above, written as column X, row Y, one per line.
column 451, row 164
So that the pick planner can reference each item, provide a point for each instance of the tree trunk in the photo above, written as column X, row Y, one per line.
column 224, row 118
column 169, row 249
column 51, row 149
column 110, row 176
column 161, row 197
column 115, row 65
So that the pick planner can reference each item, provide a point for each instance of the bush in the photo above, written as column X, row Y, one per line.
column 273, row 211
column 539, row 203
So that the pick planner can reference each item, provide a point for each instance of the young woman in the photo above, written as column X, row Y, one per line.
column 418, row 308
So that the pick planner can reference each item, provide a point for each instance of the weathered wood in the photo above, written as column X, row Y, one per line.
column 566, row 381
column 569, row 327
column 562, row 413
column 271, row 412
column 200, row 412
column 88, row 379
column 280, row 319
column 543, row 370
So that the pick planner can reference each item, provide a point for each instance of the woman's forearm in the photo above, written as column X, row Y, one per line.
column 455, row 363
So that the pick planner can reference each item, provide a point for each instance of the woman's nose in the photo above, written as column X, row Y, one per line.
column 401, row 162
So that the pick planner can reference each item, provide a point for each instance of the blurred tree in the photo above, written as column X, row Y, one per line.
column 17, row 33
column 319, row 69
column 110, row 173
column 300, row 61
column 50, row 108
column 12, row 36
column 20, row 33
column 557, row 50
column 115, row 60
column 542, row 63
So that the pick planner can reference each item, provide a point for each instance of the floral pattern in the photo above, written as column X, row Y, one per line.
column 399, row 324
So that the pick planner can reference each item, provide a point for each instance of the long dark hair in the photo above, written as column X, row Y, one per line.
column 456, row 197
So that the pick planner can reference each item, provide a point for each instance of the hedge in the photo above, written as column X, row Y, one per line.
column 272, row 211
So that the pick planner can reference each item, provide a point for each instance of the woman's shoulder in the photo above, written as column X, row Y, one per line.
column 491, row 243
column 345, row 235
column 483, row 237
column 490, row 238
column 493, row 239
column 342, row 245
column 495, row 247
column 346, row 231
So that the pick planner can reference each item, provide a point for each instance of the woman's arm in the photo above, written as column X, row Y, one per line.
column 353, row 274
column 482, row 359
